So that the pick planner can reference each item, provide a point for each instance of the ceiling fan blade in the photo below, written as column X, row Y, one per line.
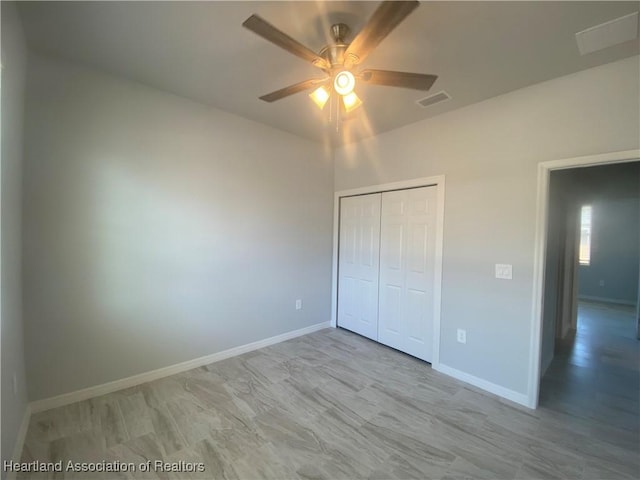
column 292, row 89
column 267, row 31
column 386, row 17
column 416, row 81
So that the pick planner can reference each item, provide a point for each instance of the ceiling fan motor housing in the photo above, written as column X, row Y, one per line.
column 334, row 53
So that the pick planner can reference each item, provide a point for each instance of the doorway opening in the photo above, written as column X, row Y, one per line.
column 590, row 349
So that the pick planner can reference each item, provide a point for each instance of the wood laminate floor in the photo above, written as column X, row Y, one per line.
column 335, row 405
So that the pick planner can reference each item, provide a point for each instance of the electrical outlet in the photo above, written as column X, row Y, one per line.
column 462, row 336
column 298, row 304
column 601, row 283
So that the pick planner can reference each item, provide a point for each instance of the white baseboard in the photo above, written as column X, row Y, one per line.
column 503, row 392
column 97, row 390
column 22, row 434
column 615, row 301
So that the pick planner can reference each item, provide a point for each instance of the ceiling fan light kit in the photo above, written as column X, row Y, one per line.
column 339, row 60
column 320, row 97
column 351, row 101
column 344, row 82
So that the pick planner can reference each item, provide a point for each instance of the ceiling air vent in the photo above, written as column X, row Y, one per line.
column 608, row 34
column 441, row 96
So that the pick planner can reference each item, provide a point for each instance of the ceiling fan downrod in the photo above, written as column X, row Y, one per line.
column 334, row 53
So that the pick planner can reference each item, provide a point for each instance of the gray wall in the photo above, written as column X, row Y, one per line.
column 489, row 153
column 615, row 244
column 158, row 230
column 559, row 197
column 12, row 350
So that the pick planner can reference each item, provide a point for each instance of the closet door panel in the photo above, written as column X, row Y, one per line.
column 392, row 259
column 407, row 269
column 386, row 268
column 358, row 264
column 421, row 217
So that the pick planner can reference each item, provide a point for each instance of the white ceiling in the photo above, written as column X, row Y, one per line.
column 200, row 50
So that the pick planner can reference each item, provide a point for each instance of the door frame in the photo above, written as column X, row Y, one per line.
column 540, row 250
column 439, row 182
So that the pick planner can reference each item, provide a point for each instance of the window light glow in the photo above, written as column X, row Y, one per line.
column 585, row 235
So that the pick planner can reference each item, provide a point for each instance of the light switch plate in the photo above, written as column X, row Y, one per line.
column 504, row 271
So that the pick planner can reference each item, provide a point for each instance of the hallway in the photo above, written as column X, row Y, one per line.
column 596, row 374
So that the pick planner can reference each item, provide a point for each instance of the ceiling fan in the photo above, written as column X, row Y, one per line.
column 339, row 60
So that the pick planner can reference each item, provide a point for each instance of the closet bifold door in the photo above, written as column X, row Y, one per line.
column 407, row 258
column 358, row 264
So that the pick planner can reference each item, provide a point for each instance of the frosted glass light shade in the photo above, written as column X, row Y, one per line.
column 351, row 101
column 344, row 82
column 320, row 97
